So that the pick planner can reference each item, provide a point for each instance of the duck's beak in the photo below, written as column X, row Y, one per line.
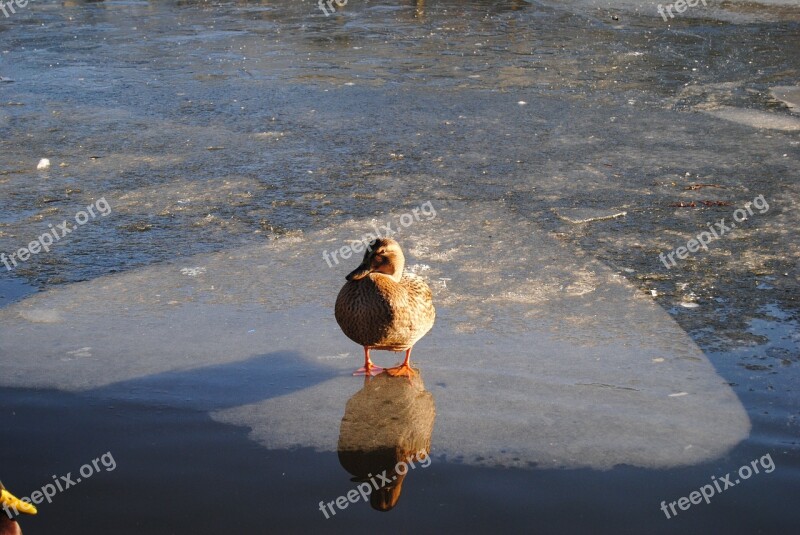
column 359, row 273
column 13, row 502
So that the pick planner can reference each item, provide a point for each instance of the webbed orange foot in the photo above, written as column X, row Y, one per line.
column 369, row 370
column 404, row 370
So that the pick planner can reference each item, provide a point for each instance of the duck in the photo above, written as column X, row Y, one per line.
column 11, row 507
column 380, row 307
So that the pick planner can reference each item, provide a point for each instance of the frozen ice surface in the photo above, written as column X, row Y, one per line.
column 540, row 356
column 736, row 11
column 578, row 216
column 757, row 119
column 789, row 95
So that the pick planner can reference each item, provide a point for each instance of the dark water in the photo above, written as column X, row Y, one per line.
column 179, row 472
column 211, row 126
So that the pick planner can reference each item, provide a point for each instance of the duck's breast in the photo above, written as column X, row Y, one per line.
column 364, row 311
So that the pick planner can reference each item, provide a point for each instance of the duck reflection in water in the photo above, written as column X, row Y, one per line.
column 385, row 433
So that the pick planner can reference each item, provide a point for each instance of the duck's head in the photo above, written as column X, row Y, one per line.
column 383, row 255
column 11, row 506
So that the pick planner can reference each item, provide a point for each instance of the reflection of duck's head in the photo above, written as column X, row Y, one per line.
column 385, row 498
column 11, row 505
column 386, row 423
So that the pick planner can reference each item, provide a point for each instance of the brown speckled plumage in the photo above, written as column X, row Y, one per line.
column 382, row 314
column 382, row 308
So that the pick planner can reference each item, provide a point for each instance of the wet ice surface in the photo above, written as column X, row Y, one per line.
column 236, row 143
column 556, row 376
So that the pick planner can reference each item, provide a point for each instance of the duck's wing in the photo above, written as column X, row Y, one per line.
column 419, row 310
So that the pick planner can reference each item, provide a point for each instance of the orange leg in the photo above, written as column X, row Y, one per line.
column 404, row 369
column 369, row 368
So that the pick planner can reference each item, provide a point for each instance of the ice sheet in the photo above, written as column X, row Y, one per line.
column 564, row 364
